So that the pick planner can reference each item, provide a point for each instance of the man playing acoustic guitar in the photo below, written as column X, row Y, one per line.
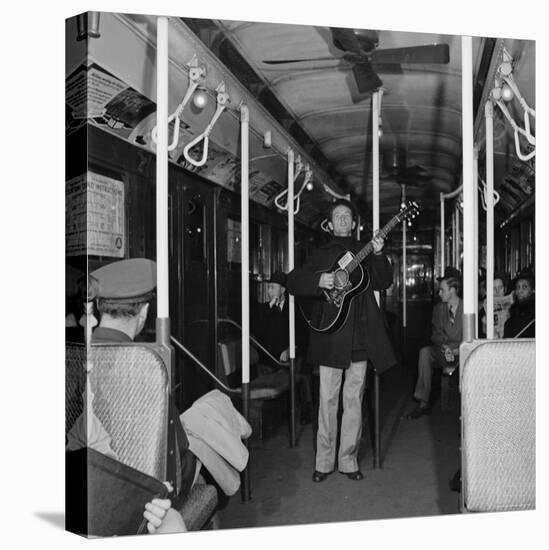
column 359, row 336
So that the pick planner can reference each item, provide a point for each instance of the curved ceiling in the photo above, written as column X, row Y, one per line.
column 420, row 112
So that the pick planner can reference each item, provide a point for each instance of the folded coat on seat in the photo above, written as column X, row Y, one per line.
column 215, row 430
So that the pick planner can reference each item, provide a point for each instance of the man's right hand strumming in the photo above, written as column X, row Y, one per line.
column 326, row 281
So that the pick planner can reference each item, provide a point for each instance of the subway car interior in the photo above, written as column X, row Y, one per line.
column 220, row 149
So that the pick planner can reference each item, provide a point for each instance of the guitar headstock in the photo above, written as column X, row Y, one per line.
column 408, row 211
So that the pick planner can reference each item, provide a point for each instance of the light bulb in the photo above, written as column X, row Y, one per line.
column 506, row 68
column 507, row 93
column 200, row 99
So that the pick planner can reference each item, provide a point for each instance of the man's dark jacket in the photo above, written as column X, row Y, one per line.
column 364, row 330
column 270, row 327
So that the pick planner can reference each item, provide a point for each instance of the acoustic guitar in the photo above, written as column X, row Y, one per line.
column 351, row 278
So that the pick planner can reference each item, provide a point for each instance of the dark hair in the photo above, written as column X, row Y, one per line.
column 342, row 202
column 526, row 277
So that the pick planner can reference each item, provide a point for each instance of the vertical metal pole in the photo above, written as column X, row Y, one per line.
column 458, row 230
column 291, row 302
column 375, row 166
column 489, row 119
column 404, row 261
column 376, row 101
column 377, row 431
column 469, row 306
column 162, row 292
column 475, row 233
column 454, row 239
column 245, row 277
column 442, row 236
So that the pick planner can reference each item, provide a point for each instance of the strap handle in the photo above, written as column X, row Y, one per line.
column 222, row 100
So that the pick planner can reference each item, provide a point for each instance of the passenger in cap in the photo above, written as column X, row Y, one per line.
column 124, row 291
column 270, row 326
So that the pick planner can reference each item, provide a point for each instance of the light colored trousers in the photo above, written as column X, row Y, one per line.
column 351, row 421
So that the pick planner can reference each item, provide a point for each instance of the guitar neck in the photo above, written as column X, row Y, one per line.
column 368, row 249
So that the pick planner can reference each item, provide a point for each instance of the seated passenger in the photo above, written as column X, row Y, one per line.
column 271, row 328
column 522, row 314
column 270, row 325
column 502, row 303
column 124, row 291
column 446, row 338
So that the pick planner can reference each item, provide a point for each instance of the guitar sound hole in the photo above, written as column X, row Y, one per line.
column 341, row 278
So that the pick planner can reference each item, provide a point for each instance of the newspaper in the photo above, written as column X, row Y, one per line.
column 501, row 313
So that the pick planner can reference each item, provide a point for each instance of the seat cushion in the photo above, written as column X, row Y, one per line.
column 270, row 386
column 199, row 506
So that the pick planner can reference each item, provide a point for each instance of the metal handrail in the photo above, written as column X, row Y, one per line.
column 256, row 342
column 204, row 367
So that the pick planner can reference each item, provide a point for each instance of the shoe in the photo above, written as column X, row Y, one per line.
column 320, row 476
column 355, row 476
column 417, row 412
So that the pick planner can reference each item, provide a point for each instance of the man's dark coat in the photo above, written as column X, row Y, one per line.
column 364, row 328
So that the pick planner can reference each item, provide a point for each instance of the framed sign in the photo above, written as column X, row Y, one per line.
column 94, row 216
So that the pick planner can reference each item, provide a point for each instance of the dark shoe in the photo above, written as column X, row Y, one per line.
column 355, row 476
column 320, row 476
column 417, row 412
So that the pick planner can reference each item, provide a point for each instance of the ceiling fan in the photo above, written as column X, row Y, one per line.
column 359, row 48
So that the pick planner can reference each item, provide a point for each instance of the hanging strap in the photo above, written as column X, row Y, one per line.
column 222, row 100
column 196, row 76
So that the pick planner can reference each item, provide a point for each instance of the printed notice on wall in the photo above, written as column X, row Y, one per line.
column 95, row 216
column 89, row 90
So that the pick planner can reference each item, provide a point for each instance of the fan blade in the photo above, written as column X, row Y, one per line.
column 436, row 53
column 365, row 77
column 345, row 39
column 281, row 61
column 387, row 68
